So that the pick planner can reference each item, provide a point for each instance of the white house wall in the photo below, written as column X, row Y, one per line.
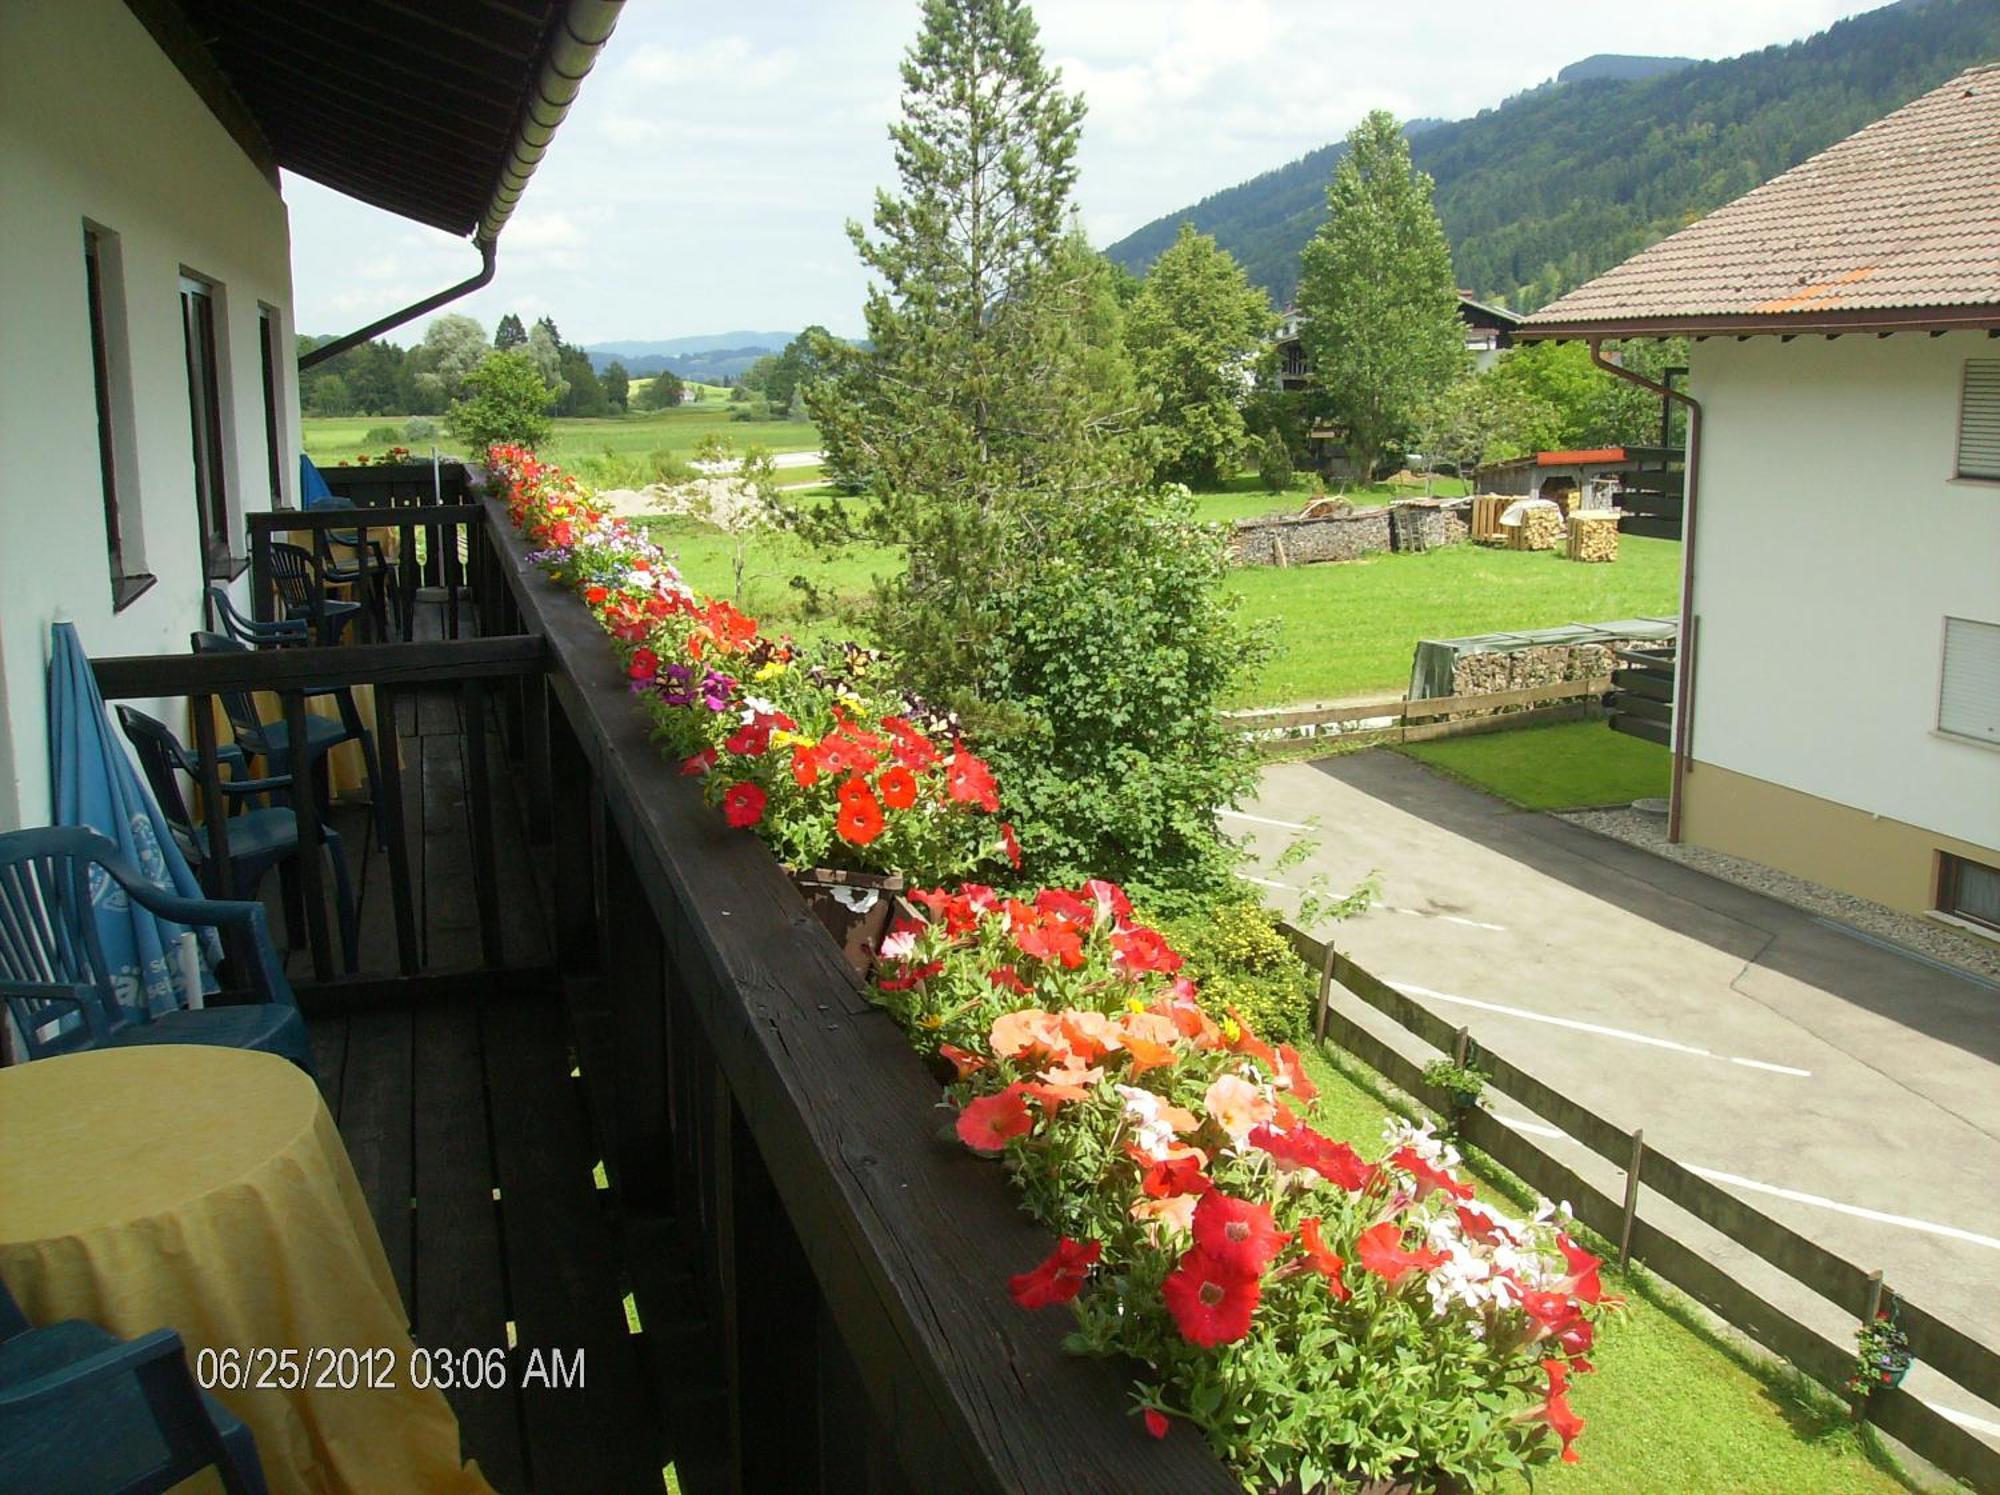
column 1832, row 543
column 97, row 126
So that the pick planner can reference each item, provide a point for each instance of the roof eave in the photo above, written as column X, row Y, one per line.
column 1881, row 320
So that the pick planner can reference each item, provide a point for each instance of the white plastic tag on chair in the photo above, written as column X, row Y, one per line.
column 188, row 953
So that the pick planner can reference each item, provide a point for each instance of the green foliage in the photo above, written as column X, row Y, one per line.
column 1559, row 184
column 1113, row 648
column 1484, row 418
column 510, row 333
column 617, row 385
column 1274, row 462
column 1377, row 290
column 663, row 392
column 506, row 400
column 383, row 436
column 1195, row 330
column 419, row 428
column 1462, row 1084
column 452, row 348
column 1239, row 960
column 1561, row 401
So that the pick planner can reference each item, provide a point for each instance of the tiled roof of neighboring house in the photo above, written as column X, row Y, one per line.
column 1896, row 226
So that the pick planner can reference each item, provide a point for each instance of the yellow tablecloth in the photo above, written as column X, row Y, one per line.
column 207, row 1190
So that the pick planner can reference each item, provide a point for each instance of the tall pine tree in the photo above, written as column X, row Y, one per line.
column 1376, row 287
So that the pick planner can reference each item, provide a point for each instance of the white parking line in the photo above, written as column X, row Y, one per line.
column 1422, row 913
column 1283, row 825
column 1717, row 1176
column 1930, row 1227
column 1598, row 1028
column 1265, row 882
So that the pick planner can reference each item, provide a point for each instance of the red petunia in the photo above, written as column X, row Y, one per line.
column 1555, row 1410
column 1111, row 900
column 1157, row 1423
column 645, row 664
column 743, row 805
column 1302, row 1147
column 1059, row 1278
column 1169, row 1178
column 699, row 764
column 987, row 1124
column 752, row 741
column 595, row 595
column 1211, row 1304
column 1239, row 1235
column 1427, row 1175
column 1010, row 845
column 805, row 767
column 1055, row 940
column 1582, row 1281
column 860, row 818
column 970, row 781
column 962, row 1060
column 898, row 787
column 1144, row 950
column 1379, row 1249
column 1321, row 1258
column 1008, row 979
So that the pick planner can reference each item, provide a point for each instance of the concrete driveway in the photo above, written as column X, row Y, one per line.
column 1851, row 1091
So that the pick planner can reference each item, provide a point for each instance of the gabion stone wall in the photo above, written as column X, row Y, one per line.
column 1338, row 537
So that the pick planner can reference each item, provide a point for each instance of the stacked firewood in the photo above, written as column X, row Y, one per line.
column 1482, row 674
column 1593, row 536
column 1540, row 528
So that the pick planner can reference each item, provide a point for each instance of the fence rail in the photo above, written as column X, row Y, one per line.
column 1400, row 719
column 1948, row 1350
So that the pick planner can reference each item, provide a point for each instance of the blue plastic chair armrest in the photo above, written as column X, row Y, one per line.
column 83, row 998
column 74, row 1382
column 256, row 786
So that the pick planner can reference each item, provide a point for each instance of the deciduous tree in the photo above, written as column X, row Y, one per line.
column 1376, row 288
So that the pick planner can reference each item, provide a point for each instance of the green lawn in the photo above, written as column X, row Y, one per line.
column 1564, row 767
column 1672, row 1406
column 1350, row 628
column 707, row 560
column 328, row 439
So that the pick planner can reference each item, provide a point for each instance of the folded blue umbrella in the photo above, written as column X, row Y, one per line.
column 96, row 785
column 313, row 491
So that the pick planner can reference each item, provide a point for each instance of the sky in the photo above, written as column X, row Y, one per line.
column 703, row 180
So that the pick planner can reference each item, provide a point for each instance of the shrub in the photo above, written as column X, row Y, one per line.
column 420, row 428
column 1274, row 462
column 507, row 402
column 382, row 436
column 1237, row 957
column 1100, row 694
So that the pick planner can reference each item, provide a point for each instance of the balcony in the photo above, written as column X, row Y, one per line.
column 608, row 1086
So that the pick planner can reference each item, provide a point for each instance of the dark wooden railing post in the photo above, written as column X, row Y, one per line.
column 389, row 749
column 635, row 987
column 261, row 607
column 479, row 792
column 572, row 860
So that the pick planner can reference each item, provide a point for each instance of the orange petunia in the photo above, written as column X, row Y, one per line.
column 860, row 819
column 898, row 787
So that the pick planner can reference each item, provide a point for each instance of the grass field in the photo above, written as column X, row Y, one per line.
column 1564, row 767
column 1350, row 628
column 1673, row 1406
column 328, row 439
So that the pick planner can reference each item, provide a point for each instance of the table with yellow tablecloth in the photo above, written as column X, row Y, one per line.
column 207, row 1190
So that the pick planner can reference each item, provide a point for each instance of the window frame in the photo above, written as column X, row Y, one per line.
column 270, row 327
column 1958, row 472
column 208, row 431
column 123, row 541
column 1944, row 664
column 1951, row 871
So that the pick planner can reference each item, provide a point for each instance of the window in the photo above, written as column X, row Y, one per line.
column 269, row 329
column 1968, row 890
column 1969, row 694
column 1979, row 420
column 204, row 375
column 121, row 539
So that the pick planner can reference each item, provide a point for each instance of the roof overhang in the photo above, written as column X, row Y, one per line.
column 1879, row 320
column 435, row 110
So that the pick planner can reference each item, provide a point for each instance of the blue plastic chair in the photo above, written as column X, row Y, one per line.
column 258, row 839
column 59, row 987
column 83, row 1412
column 272, row 741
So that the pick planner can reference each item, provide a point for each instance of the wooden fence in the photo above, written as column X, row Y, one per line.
column 1946, row 1349
column 1643, row 704
column 1390, row 719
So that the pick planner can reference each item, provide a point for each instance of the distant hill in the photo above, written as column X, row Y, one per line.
column 1562, row 182
column 710, row 358
column 1621, row 69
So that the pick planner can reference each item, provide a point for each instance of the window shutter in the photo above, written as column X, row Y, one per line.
column 1969, row 699
column 1979, row 420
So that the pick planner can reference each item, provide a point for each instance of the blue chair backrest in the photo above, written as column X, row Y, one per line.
column 48, row 935
column 236, row 704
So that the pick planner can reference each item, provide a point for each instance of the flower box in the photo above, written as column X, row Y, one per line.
column 854, row 907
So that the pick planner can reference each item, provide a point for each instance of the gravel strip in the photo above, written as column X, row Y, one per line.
column 1938, row 941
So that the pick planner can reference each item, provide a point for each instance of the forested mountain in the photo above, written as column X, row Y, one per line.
column 1558, row 184
column 709, row 358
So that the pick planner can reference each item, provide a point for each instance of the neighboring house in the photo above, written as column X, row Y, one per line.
column 1488, row 329
column 1839, row 685
column 150, row 397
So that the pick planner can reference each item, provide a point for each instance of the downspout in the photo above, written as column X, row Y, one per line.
column 583, row 29
column 339, row 345
column 1684, row 665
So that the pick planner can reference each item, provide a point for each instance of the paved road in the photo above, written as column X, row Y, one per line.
column 1745, row 1036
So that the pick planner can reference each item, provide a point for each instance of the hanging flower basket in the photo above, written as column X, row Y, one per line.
column 854, row 907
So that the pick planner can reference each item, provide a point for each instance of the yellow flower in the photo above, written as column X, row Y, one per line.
column 1231, row 1030
column 1133, row 1004
column 771, row 671
column 930, row 1020
column 853, row 703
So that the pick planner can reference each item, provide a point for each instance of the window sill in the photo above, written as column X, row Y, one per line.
column 1978, row 742
column 1968, row 480
column 1968, row 926
column 227, row 567
column 126, row 590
